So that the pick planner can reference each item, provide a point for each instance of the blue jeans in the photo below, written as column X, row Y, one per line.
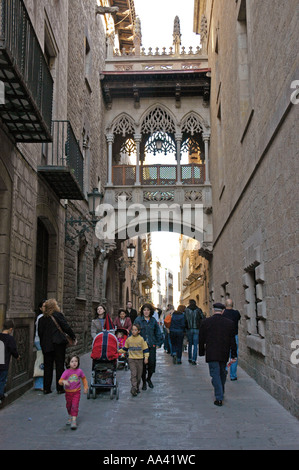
column 193, row 339
column 3, row 379
column 233, row 367
column 167, row 342
column 176, row 338
column 218, row 373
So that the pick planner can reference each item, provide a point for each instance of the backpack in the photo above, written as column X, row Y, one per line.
column 167, row 320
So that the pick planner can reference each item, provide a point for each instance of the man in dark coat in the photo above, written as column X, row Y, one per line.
column 131, row 312
column 216, row 341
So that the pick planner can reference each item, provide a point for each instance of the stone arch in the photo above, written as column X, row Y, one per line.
column 47, row 218
column 158, row 118
column 192, row 122
column 192, row 127
column 122, row 129
column 122, row 124
column 161, row 217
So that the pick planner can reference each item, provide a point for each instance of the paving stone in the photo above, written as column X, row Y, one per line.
column 177, row 414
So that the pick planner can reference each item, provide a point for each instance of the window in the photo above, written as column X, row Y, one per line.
column 88, row 63
column 243, row 67
column 255, row 306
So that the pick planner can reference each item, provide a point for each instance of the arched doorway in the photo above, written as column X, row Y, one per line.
column 46, row 264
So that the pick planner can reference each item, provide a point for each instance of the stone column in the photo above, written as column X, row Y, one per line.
column 178, row 139
column 206, row 139
column 137, row 138
column 110, row 140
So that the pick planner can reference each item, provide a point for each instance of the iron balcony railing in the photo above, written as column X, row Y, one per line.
column 125, row 175
column 27, row 110
column 63, row 162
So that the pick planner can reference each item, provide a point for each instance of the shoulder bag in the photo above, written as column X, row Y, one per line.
column 70, row 341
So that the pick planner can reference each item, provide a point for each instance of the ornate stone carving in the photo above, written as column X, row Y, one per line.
column 103, row 10
column 157, row 120
column 123, row 126
column 193, row 196
column 177, row 35
column 137, row 36
column 192, row 125
column 158, row 196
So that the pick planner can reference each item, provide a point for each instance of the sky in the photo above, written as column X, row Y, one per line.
column 157, row 19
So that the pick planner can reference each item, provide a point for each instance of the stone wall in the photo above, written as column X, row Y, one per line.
column 25, row 198
column 254, row 163
column 86, row 56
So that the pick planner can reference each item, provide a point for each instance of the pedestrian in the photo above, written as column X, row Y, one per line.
column 151, row 333
column 131, row 312
column 138, row 352
column 97, row 324
column 53, row 343
column 70, row 380
column 176, row 331
column 122, row 320
column 8, row 348
column 39, row 362
column 235, row 316
column 166, row 325
column 216, row 340
column 193, row 318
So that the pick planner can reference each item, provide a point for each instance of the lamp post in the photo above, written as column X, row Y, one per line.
column 82, row 224
column 131, row 253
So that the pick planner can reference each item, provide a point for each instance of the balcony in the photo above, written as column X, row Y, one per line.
column 27, row 107
column 151, row 175
column 62, row 162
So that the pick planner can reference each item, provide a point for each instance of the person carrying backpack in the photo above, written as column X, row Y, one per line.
column 193, row 318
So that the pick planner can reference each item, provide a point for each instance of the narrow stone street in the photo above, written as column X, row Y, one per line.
column 177, row 414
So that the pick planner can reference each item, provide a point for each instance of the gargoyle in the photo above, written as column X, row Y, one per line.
column 104, row 10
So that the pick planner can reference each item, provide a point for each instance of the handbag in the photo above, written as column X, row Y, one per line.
column 69, row 340
column 39, row 364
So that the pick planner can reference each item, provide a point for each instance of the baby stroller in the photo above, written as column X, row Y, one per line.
column 104, row 355
column 123, row 357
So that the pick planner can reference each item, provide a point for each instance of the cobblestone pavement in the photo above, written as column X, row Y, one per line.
column 177, row 414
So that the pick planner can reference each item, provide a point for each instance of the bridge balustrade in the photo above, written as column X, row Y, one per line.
column 152, row 175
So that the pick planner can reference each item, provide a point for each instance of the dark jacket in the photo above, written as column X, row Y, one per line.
column 132, row 314
column 150, row 331
column 49, row 333
column 10, row 349
column 217, row 338
column 233, row 315
column 177, row 322
column 193, row 317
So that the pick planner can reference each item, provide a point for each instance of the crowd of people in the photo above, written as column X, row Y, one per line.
column 139, row 335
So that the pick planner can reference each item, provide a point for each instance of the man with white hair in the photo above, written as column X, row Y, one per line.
column 235, row 316
column 216, row 341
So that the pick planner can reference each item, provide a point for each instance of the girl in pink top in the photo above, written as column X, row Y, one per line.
column 70, row 379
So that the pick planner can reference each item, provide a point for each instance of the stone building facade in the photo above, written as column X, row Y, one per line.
column 252, row 48
column 44, row 254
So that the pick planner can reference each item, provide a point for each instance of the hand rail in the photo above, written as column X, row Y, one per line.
column 125, row 175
